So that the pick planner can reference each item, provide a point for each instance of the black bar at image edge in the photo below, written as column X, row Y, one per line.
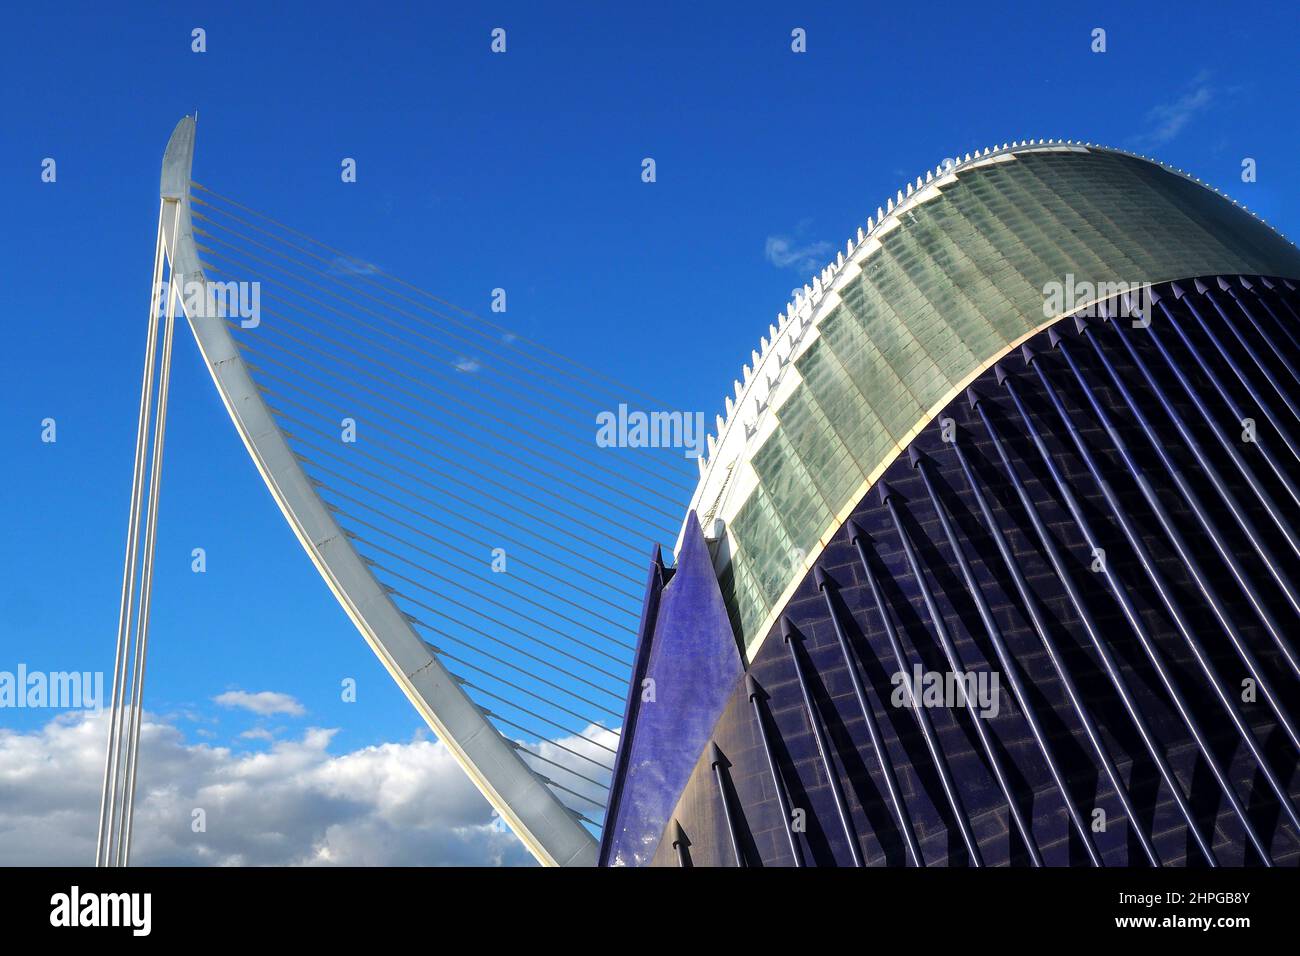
column 333, row 905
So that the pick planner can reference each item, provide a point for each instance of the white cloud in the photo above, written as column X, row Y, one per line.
column 293, row 803
column 266, row 702
column 1168, row 119
column 578, row 754
column 808, row 257
column 343, row 265
column 467, row 365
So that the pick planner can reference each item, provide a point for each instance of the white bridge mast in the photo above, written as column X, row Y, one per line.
column 551, row 831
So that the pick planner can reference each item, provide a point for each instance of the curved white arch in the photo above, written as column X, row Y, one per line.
column 547, row 828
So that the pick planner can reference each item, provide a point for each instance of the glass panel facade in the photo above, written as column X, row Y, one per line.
column 954, row 287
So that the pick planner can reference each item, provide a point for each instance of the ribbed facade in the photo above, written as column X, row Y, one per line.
column 1094, row 519
column 847, row 598
column 952, row 277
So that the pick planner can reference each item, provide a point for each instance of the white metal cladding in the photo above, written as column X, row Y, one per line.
column 549, row 830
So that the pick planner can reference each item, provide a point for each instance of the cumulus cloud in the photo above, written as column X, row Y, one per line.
column 265, row 703
column 808, row 257
column 582, row 761
column 293, row 803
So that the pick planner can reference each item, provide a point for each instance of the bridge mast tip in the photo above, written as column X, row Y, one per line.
column 178, row 159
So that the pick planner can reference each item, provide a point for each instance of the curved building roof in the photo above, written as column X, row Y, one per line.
column 944, row 281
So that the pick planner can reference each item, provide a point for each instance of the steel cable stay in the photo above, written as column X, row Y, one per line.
column 342, row 477
column 495, row 342
column 243, row 343
column 564, row 767
column 440, row 342
column 622, row 558
column 547, row 570
column 505, row 701
column 556, row 580
column 542, row 738
column 577, row 467
column 491, row 637
column 265, row 390
column 512, row 409
column 513, row 686
column 405, row 560
column 579, row 368
column 361, row 539
column 481, row 475
column 443, row 334
column 434, row 629
column 261, row 278
column 263, row 357
column 479, row 577
column 262, row 371
column 559, row 786
column 524, row 634
column 450, row 494
column 578, row 464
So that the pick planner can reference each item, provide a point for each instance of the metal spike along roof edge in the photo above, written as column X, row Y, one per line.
column 812, row 294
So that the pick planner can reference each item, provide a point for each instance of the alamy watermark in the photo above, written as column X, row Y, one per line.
column 133, row 911
column 637, row 429
column 978, row 690
column 60, row 690
column 1082, row 298
column 220, row 300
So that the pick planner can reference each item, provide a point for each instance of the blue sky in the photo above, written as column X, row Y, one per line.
column 477, row 171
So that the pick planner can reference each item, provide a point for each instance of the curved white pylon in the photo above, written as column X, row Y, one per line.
column 547, row 828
